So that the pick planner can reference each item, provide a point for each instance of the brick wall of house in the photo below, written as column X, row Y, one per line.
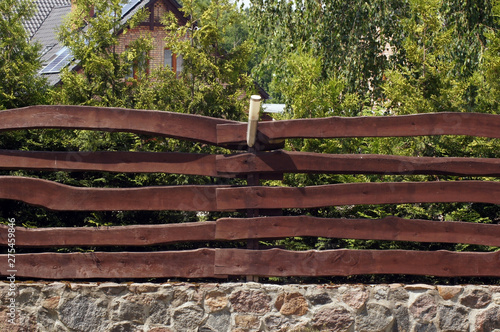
column 156, row 54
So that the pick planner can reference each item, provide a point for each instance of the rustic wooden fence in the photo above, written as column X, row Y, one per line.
column 220, row 263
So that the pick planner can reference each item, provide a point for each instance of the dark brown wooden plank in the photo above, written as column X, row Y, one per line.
column 134, row 235
column 306, row 162
column 446, row 123
column 183, row 264
column 111, row 161
column 344, row 262
column 57, row 196
column 358, row 193
column 176, row 125
column 389, row 228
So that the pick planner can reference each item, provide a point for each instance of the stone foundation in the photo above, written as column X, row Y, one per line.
column 238, row 307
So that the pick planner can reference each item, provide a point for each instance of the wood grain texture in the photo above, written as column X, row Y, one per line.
column 358, row 193
column 121, row 162
column 197, row 263
column 57, row 196
column 135, row 235
column 61, row 197
column 176, row 125
column 446, row 123
column 389, row 228
column 344, row 262
column 306, row 162
column 218, row 263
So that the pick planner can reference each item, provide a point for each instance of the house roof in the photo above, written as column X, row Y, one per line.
column 46, row 35
column 50, row 15
column 45, row 7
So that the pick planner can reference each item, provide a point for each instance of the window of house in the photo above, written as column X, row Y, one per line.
column 139, row 67
column 172, row 61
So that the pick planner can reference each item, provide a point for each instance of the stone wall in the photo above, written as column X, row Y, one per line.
column 148, row 307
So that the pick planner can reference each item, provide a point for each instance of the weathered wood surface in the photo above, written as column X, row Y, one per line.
column 446, row 123
column 390, row 228
column 134, row 235
column 306, row 162
column 218, row 263
column 358, row 193
column 57, row 196
column 344, row 262
column 197, row 263
column 277, row 162
column 176, row 125
column 111, row 161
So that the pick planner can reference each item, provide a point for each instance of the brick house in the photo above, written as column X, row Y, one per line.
column 50, row 15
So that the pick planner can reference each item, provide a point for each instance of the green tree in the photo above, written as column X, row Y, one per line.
column 426, row 83
column 487, row 78
column 20, row 84
column 350, row 37
column 215, row 61
column 93, row 40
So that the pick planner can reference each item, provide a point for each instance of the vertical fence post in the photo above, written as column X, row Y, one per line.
column 253, row 179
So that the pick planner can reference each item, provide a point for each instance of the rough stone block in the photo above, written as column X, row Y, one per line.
column 334, row 318
column 250, row 301
column 476, row 299
column 291, row 304
column 424, row 308
column 375, row 318
column 488, row 320
column 453, row 319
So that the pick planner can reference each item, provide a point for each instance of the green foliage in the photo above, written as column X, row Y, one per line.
column 307, row 94
column 20, row 84
column 350, row 37
column 426, row 83
column 487, row 79
column 215, row 69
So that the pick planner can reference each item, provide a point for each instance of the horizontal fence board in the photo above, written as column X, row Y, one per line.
column 197, row 263
column 389, row 228
column 345, row 262
column 133, row 162
column 134, row 235
column 57, row 196
column 230, row 165
column 61, row 197
column 170, row 124
column 446, row 123
column 307, row 162
column 358, row 193
column 218, row 263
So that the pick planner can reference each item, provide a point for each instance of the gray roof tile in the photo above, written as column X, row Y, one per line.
column 44, row 8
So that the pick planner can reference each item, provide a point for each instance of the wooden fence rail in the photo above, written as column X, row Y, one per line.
column 220, row 263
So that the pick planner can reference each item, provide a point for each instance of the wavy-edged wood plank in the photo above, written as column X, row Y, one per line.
column 308, row 162
column 111, row 161
column 345, row 262
column 197, row 263
column 446, row 123
column 134, row 235
column 260, row 197
column 57, row 196
column 231, row 165
column 389, row 228
column 61, row 197
column 176, row 125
